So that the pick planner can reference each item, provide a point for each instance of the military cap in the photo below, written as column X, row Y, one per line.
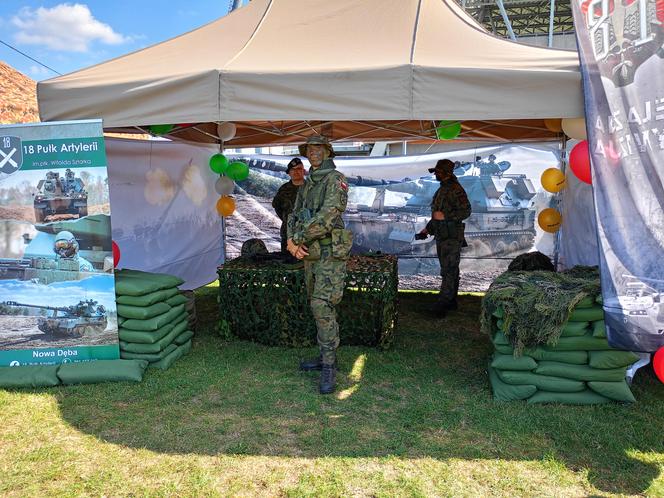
column 252, row 247
column 296, row 161
column 444, row 165
column 316, row 140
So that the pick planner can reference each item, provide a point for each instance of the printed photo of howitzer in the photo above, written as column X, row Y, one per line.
column 56, row 261
column 389, row 203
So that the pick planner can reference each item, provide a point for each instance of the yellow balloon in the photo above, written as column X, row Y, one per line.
column 575, row 128
column 549, row 220
column 553, row 180
column 225, row 206
column 554, row 125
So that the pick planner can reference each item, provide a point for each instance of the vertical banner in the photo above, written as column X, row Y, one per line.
column 57, row 290
column 622, row 62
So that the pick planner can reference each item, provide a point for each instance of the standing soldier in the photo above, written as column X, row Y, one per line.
column 316, row 234
column 284, row 200
column 449, row 208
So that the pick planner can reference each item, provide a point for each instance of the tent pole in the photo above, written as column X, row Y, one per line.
column 551, row 16
column 506, row 19
column 559, row 200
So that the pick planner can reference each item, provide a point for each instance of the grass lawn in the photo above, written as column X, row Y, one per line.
column 235, row 418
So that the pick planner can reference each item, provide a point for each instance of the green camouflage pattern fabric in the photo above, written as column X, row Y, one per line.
column 451, row 199
column 283, row 204
column 318, row 209
column 251, row 247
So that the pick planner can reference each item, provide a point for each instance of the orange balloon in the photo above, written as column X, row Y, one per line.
column 225, row 206
column 553, row 180
column 554, row 124
column 549, row 220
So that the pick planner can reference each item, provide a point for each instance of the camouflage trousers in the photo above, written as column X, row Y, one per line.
column 325, row 281
column 449, row 257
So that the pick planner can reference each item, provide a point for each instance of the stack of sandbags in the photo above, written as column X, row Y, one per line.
column 152, row 318
column 580, row 368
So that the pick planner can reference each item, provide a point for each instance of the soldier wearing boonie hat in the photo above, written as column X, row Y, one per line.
column 316, row 234
column 449, row 208
column 284, row 199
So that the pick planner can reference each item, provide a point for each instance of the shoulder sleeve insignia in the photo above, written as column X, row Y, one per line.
column 342, row 185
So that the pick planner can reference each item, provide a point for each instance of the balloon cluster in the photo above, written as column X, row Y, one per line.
column 553, row 180
column 230, row 172
column 448, row 130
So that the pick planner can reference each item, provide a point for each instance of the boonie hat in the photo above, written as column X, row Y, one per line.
column 316, row 140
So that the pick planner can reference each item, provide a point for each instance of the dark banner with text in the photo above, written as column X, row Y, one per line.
column 622, row 62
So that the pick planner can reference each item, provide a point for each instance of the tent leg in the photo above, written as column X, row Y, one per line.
column 223, row 240
column 558, row 202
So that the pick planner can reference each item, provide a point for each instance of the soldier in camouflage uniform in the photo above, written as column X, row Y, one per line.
column 316, row 234
column 284, row 200
column 449, row 208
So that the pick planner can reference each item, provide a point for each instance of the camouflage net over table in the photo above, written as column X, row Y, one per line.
column 266, row 301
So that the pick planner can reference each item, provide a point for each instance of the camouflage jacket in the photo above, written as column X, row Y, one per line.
column 451, row 199
column 284, row 200
column 319, row 205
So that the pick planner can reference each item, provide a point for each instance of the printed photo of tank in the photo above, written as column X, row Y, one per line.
column 502, row 222
column 85, row 317
column 62, row 251
column 60, row 198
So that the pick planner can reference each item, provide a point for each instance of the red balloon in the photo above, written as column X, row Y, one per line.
column 658, row 364
column 116, row 254
column 579, row 161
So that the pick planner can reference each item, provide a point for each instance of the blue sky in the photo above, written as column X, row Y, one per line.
column 71, row 35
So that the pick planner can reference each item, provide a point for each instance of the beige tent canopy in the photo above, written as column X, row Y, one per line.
column 359, row 70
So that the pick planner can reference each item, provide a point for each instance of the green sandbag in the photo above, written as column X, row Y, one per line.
column 508, row 392
column 586, row 302
column 29, row 376
column 503, row 349
column 543, row 382
column 142, row 312
column 148, row 299
column 183, row 337
column 186, row 347
column 618, row 391
column 573, row 357
column 138, row 283
column 90, row 372
column 176, row 300
column 149, row 356
column 599, row 328
column 612, row 359
column 500, row 338
column 121, row 320
column 580, row 372
column 155, row 322
column 159, row 345
column 571, row 329
column 166, row 363
column 143, row 337
column 509, row 362
column 583, row 343
column 586, row 314
column 586, row 397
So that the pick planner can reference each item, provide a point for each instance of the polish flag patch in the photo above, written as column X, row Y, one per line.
column 343, row 185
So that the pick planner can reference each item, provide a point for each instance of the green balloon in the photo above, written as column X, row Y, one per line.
column 161, row 129
column 238, row 171
column 219, row 163
column 448, row 130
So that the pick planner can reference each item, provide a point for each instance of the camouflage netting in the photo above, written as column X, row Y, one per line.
column 550, row 340
column 265, row 300
column 537, row 304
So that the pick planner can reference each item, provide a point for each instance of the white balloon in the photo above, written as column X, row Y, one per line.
column 226, row 131
column 575, row 128
column 224, row 186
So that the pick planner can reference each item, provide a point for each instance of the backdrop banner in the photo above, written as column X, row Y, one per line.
column 389, row 202
column 163, row 201
column 57, row 289
column 620, row 46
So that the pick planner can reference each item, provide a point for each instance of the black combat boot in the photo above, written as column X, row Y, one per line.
column 314, row 364
column 328, row 377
